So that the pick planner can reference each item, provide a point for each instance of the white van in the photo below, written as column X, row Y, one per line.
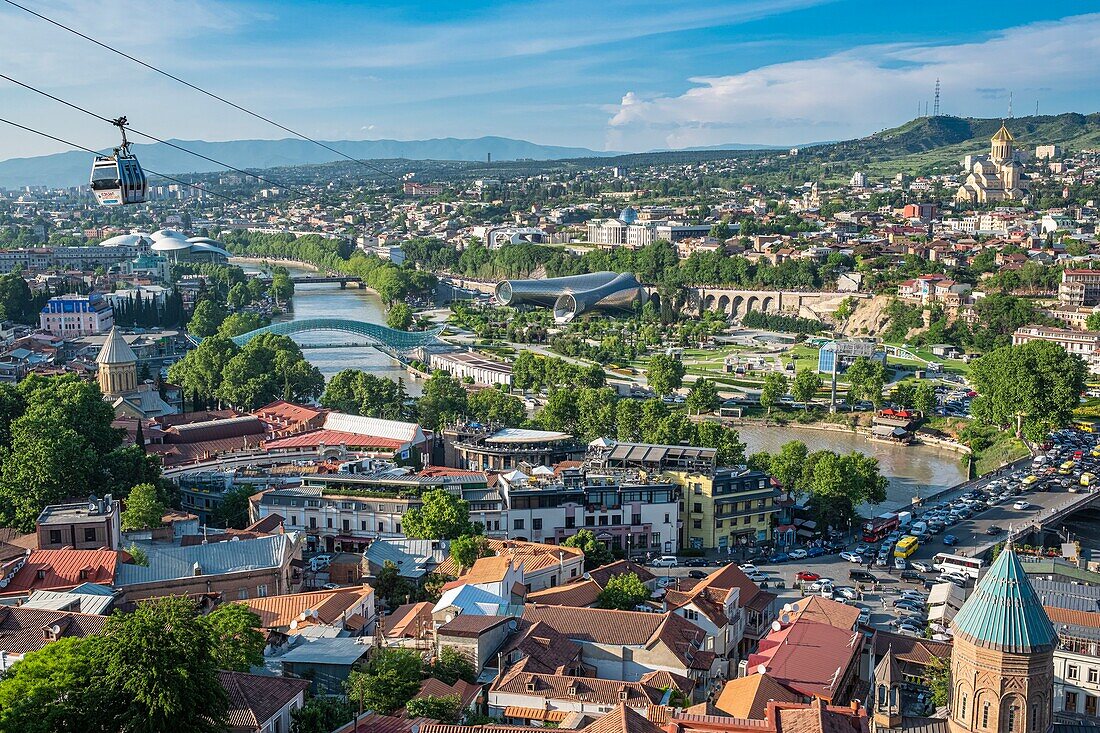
column 666, row 561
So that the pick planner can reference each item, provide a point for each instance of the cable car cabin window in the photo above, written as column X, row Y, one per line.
column 105, row 177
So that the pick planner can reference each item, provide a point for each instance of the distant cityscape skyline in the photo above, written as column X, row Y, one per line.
column 617, row 76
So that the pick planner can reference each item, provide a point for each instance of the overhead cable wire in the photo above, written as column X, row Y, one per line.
column 149, row 170
column 299, row 191
column 199, row 89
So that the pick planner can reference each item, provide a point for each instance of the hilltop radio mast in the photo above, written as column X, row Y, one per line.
column 936, row 106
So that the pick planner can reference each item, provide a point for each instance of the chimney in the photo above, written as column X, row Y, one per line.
column 196, row 570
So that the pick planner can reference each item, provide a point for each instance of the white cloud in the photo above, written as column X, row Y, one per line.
column 867, row 88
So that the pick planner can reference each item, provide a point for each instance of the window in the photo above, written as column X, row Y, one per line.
column 603, row 520
column 536, row 523
column 1013, row 714
column 720, row 524
column 89, row 534
column 293, row 521
column 346, row 525
column 1094, row 675
column 242, row 594
column 1034, row 717
column 261, row 591
column 1090, row 705
column 666, row 519
column 380, row 525
column 570, row 522
column 363, row 525
column 397, row 528
column 985, row 715
column 697, row 508
column 572, row 572
column 313, row 522
column 962, row 706
column 517, row 524
column 636, row 519
column 697, row 523
column 691, row 615
column 55, row 536
column 616, row 519
column 1072, row 672
column 589, row 521
column 328, row 522
column 1071, row 702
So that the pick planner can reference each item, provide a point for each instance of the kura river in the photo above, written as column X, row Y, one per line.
column 915, row 470
column 330, row 301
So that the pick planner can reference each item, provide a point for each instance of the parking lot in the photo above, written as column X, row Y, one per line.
column 964, row 524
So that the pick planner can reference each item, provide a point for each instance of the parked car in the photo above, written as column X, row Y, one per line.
column 807, row 576
column 912, row 575
column 757, row 577
column 846, row 592
column 864, row 615
column 666, row 561
column 1021, row 505
column 950, row 540
column 862, row 576
column 779, row 557
column 798, row 554
column 922, row 566
column 695, row 562
column 747, row 568
column 696, row 574
column 993, row 529
column 815, row 552
column 852, row 557
column 908, row 605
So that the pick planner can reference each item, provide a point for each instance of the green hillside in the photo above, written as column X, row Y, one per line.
column 934, row 144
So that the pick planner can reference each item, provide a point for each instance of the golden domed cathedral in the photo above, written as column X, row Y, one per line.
column 994, row 177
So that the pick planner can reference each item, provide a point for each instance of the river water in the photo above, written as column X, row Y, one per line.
column 915, row 470
column 910, row 470
column 330, row 301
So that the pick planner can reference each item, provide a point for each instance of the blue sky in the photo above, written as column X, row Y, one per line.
column 606, row 75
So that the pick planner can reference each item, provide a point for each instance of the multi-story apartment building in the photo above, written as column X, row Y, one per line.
column 468, row 366
column 70, row 316
column 1085, row 344
column 720, row 508
column 1080, row 287
column 346, row 511
column 627, row 512
column 726, row 508
column 38, row 259
column 87, row 525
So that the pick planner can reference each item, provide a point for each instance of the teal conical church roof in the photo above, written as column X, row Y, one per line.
column 1004, row 612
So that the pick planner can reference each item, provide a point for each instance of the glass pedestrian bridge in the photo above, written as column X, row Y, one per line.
column 382, row 336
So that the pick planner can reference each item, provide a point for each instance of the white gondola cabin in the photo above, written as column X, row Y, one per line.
column 118, row 179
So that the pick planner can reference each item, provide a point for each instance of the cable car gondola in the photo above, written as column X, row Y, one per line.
column 118, row 179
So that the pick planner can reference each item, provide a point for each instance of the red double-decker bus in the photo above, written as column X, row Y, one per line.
column 882, row 525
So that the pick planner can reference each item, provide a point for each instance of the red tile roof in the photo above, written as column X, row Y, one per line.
column 806, row 655
column 59, row 570
column 432, row 687
column 24, row 630
column 322, row 436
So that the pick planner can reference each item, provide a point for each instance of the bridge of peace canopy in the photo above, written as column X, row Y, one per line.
column 381, row 336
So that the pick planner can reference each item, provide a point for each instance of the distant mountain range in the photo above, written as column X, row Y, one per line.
column 915, row 145
column 72, row 168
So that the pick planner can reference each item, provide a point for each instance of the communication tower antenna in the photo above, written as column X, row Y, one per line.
column 1036, row 107
column 936, row 106
column 1010, row 105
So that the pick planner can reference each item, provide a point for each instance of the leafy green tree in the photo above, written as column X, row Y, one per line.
column 628, row 421
column 1092, row 323
column 805, row 386
column 54, row 690
column 400, row 316
column 160, row 660
column 236, row 324
column 786, row 465
column 726, row 441
column 143, row 508
column 468, row 549
column 321, row 715
column 866, row 378
column 596, row 553
column 16, row 299
column 233, row 509
column 391, row 587
column 664, row 373
column 924, row 398
column 838, row 484
column 12, row 405
column 442, row 516
column 624, row 592
column 238, row 296
column 497, row 408
column 443, row 400
column 201, row 371
column 206, row 318
column 775, row 386
column 703, row 396
column 452, row 665
column 282, row 287
column 238, row 643
column 937, row 678
column 445, row 708
column 390, row 680
column 358, row 393
column 561, row 411
column 268, row 368
column 1033, row 387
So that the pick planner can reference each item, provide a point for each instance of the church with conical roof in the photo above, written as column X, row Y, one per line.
column 117, row 377
column 994, row 177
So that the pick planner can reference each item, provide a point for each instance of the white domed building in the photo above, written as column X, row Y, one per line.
column 178, row 248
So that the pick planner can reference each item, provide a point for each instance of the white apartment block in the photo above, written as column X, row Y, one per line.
column 1077, row 680
column 1085, row 344
column 468, row 366
column 69, row 316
